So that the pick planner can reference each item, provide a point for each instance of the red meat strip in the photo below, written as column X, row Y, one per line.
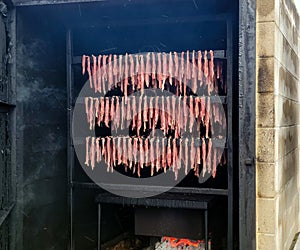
column 196, row 107
column 152, row 157
column 103, row 149
column 124, row 152
column 168, row 113
column 188, row 66
column 112, row 109
column 125, row 88
column 174, row 112
column 134, row 115
column 86, row 101
column 93, row 153
column 153, row 75
column 114, row 151
column 211, row 66
column 192, row 152
column 99, row 75
column 115, row 70
column 171, row 68
column 159, row 71
column 207, row 117
column 139, row 117
column 91, row 112
column 121, row 68
column 95, row 73
column 141, row 148
column 151, row 113
column 158, row 153
column 89, row 71
column 132, row 71
column 96, row 108
column 191, row 113
column 130, row 153
column 137, row 70
column 123, row 114
column 142, row 74
column 83, row 63
column 209, row 155
column 128, row 115
column 148, row 70
column 146, row 151
column 185, row 112
column 145, row 112
column 174, row 154
column 186, row 154
column 164, row 155
column 107, row 109
column 119, row 151
column 117, row 116
column 108, row 153
column 200, row 72
column 104, row 72
column 98, row 150
column 110, row 71
column 156, row 115
column 203, row 156
column 202, row 110
column 165, row 69
column 214, row 171
column 162, row 115
column 198, row 160
column 205, row 67
column 87, row 153
column 102, row 110
column 169, row 153
column 181, row 72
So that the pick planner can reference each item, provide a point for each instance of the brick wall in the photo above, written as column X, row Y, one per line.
column 278, row 123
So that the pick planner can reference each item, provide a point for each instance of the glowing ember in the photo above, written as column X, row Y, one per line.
column 182, row 244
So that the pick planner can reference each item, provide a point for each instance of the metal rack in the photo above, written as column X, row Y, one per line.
column 72, row 61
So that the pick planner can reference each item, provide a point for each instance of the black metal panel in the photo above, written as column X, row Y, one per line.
column 4, row 235
column 247, row 80
column 179, row 223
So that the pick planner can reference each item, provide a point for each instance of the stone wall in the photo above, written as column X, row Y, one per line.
column 278, row 123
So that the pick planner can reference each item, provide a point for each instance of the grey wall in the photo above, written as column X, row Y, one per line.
column 41, row 102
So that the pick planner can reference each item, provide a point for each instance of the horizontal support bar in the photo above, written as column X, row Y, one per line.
column 145, row 189
column 218, row 54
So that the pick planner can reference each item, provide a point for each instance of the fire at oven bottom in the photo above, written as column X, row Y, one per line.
column 169, row 243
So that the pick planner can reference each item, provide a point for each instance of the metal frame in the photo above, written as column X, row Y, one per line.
column 71, row 59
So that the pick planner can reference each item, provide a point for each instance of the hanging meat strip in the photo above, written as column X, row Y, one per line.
column 91, row 112
column 108, row 152
column 196, row 107
column 198, row 160
column 159, row 71
column 95, row 73
column 202, row 110
column 152, row 157
column 139, row 116
column 176, row 62
column 126, row 77
column 200, row 72
column 87, row 153
column 135, row 150
column 205, row 67
column 124, row 152
column 192, row 153
column 171, row 69
column 103, row 148
column 169, row 153
column 207, row 117
column 99, row 75
column 98, row 150
column 137, row 70
column 203, row 157
column 104, row 71
column 165, row 70
column 142, row 74
column 121, row 73
column 117, row 115
column 209, row 155
column 168, row 114
column 163, row 155
column 130, row 153
column 107, row 109
column 194, row 75
column 146, row 151
column 186, row 154
column 157, row 150
column 96, row 108
column 211, row 66
column 119, row 151
column 151, row 113
column 86, row 101
column 102, row 110
column 141, row 148
column 156, row 115
column 153, row 71
column 110, row 71
column 134, row 114
column 181, row 74
column 214, row 171
column 162, row 115
column 145, row 113
column 188, row 66
column 128, row 115
column 132, row 73
column 185, row 112
column 89, row 71
column 114, row 152
column 148, row 70
column 191, row 113
column 115, row 70
column 123, row 115
column 112, row 110
column 93, row 153
column 174, row 112
column 174, row 155
column 83, row 63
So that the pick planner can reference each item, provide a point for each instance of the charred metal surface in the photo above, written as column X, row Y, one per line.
column 247, row 83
